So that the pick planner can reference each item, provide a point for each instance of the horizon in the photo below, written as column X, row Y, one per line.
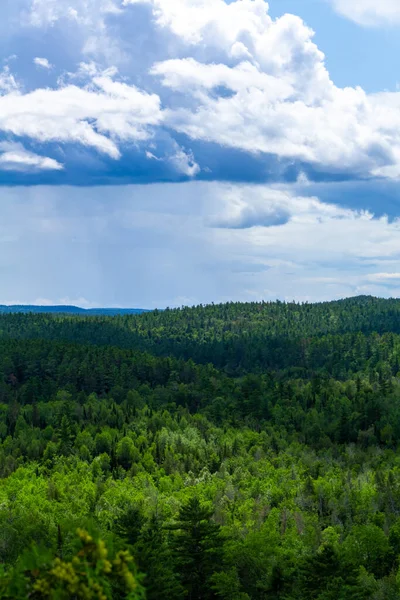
column 144, row 309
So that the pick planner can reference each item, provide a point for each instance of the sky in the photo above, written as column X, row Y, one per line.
column 162, row 153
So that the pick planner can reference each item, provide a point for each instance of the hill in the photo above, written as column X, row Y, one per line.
column 235, row 337
column 237, row 451
column 74, row 310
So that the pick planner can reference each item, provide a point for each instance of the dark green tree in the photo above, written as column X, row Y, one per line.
column 66, row 436
column 155, row 559
column 321, row 574
column 197, row 548
column 129, row 524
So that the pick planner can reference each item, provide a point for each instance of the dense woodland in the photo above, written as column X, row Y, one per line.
column 235, row 452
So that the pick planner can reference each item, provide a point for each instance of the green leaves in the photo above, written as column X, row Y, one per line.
column 90, row 574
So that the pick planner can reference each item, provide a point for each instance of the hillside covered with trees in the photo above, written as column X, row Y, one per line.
column 235, row 452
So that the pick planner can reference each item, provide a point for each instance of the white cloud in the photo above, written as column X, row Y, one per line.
column 185, row 162
column 369, row 12
column 47, row 12
column 261, row 85
column 42, row 62
column 86, row 16
column 224, row 73
column 14, row 157
column 8, row 83
column 244, row 31
column 152, row 156
column 320, row 249
column 101, row 115
column 182, row 160
column 244, row 210
column 272, row 93
column 383, row 277
column 312, row 230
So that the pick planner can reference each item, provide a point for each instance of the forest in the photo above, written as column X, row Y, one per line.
column 233, row 452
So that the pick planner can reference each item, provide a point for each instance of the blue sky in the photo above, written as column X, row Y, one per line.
column 355, row 55
column 168, row 152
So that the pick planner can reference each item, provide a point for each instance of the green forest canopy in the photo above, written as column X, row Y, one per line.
column 235, row 451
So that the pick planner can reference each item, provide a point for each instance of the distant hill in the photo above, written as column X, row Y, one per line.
column 73, row 310
column 236, row 337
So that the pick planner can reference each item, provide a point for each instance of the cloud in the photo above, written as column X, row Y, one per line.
column 321, row 250
column 44, row 13
column 42, row 62
column 242, row 210
column 91, row 246
column 100, row 115
column 277, row 95
column 8, row 83
column 383, row 277
column 82, row 302
column 369, row 12
column 168, row 78
column 184, row 162
column 86, row 21
column 14, row 157
column 261, row 85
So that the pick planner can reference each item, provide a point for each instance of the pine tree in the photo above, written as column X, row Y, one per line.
column 129, row 524
column 66, row 436
column 155, row 559
column 197, row 548
column 321, row 573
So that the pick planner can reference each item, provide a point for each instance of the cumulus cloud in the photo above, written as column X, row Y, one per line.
column 225, row 74
column 239, row 209
column 369, row 12
column 276, row 96
column 100, row 115
column 42, row 62
column 14, row 157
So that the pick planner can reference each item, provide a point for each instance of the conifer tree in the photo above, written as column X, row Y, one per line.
column 129, row 524
column 321, row 573
column 197, row 547
column 66, row 436
column 155, row 559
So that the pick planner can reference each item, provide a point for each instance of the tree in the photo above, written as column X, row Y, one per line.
column 367, row 545
column 90, row 574
column 197, row 547
column 129, row 524
column 126, row 452
column 321, row 573
column 156, row 561
column 66, row 436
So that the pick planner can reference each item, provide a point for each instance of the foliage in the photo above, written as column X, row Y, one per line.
column 91, row 574
column 238, row 452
